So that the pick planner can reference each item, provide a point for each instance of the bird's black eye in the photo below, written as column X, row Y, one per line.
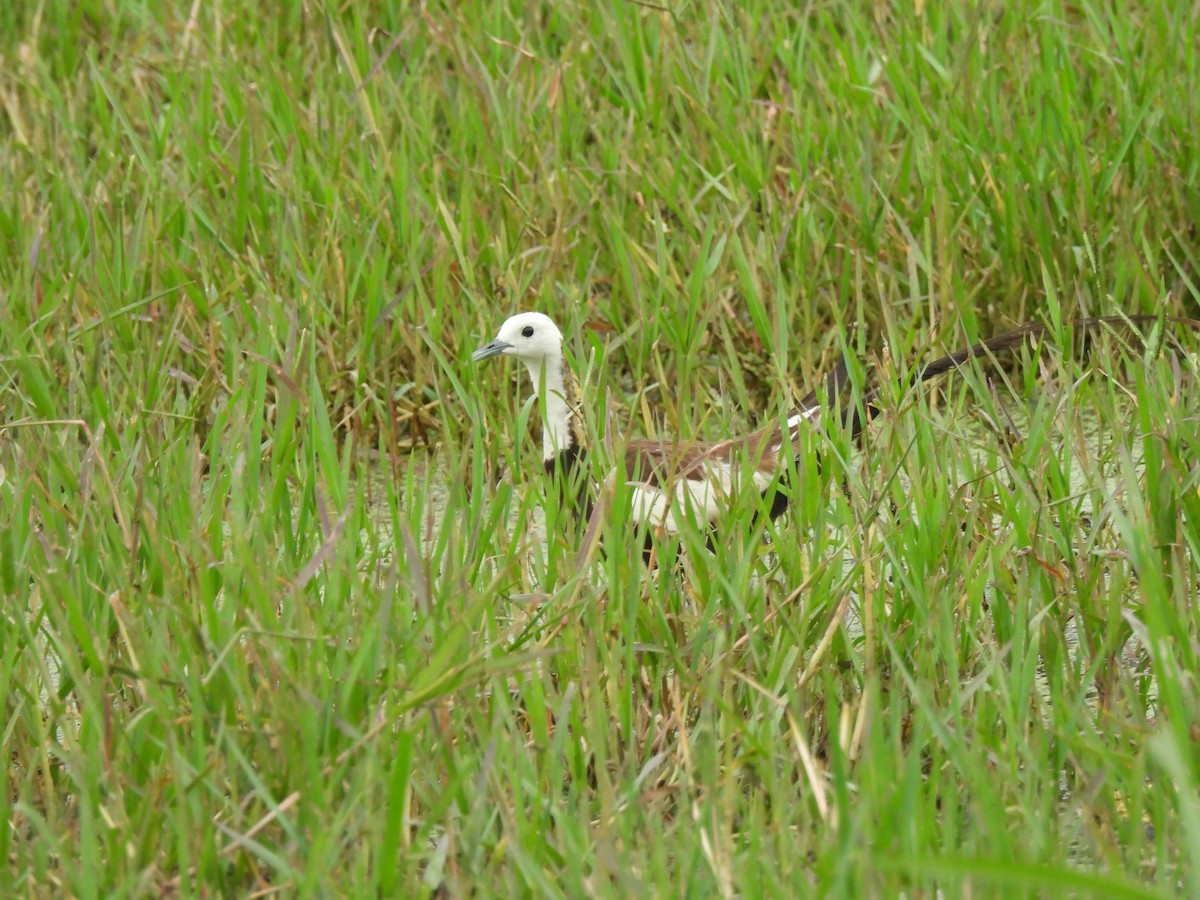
column 527, row 331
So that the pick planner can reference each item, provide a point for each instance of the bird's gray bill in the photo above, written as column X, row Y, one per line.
column 495, row 348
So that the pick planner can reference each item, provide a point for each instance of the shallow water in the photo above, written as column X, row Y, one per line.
column 973, row 452
column 1089, row 450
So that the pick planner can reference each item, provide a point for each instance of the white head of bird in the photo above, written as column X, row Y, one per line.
column 531, row 337
column 536, row 341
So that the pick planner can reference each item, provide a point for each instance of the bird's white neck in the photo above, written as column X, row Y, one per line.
column 555, row 385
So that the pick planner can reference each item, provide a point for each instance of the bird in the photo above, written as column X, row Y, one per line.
column 668, row 479
column 674, row 480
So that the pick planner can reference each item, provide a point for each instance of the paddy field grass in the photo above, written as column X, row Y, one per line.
column 282, row 610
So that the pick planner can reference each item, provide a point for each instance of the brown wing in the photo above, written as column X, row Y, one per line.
column 658, row 463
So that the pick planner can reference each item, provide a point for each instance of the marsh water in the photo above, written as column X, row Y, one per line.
column 973, row 450
column 1098, row 460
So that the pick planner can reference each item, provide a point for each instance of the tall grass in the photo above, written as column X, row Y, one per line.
column 277, row 614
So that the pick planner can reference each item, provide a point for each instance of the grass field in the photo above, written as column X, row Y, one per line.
column 276, row 617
